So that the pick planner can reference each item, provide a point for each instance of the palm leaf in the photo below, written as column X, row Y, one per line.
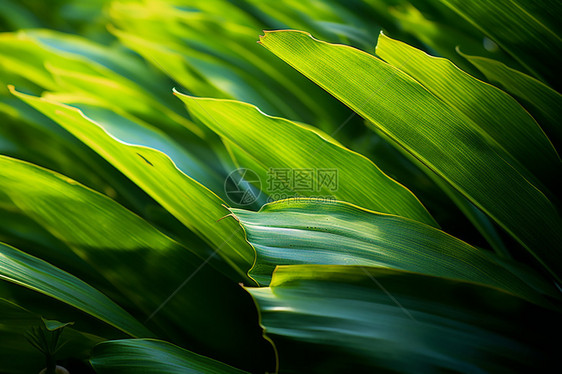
column 18, row 356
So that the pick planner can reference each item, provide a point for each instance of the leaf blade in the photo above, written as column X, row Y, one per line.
column 330, row 318
column 33, row 273
column 156, row 173
column 359, row 180
column 542, row 101
column 308, row 231
column 153, row 356
column 421, row 124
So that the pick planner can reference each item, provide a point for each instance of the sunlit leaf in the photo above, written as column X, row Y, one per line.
column 265, row 141
column 156, row 174
column 447, row 142
column 308, row 231
column 491, row 111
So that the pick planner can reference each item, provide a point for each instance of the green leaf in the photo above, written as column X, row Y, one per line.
column 53, row 325
column 190, row 202
column 265, row 141
column 529, row 31
column 214, row 55
column 308, row 231
column 492, row 111
column 70, row 64
column 153, row 356
column 179, row 294
column 33, row 273
column 334, row 319
column 542, row 101
column 445, row 141
column 25, row 132
column 440, row 30
column 17, row 355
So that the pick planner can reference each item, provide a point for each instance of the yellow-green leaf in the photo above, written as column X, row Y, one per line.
column 445, row 141
column 266, row 140
column 190, row 202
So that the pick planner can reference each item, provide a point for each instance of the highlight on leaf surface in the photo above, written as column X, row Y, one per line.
column 396, row 210
column 448, row 142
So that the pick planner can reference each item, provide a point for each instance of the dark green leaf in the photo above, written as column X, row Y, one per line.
column 153, row 357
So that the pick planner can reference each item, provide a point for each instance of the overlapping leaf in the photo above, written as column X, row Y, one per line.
column 518, row 134
column 527, row 30
column 308, row 231
column 542, row 101
column 145, row 266
column 333, row 319
column 358, row 179
column 447, row 142
column 190, row 202
column 66, row 63
column 210, row 51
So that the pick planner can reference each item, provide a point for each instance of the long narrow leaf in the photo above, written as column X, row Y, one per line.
column 153, row 357
column 266, row 139
column 336, row 319
column 527, row 30
column 542, row 101
column 36, row 274
column 156, row 173
column 493, row 112
column 446, row 142
column 309, row 231
column 170, row 286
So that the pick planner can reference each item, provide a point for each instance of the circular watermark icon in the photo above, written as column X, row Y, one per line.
column 242, row 186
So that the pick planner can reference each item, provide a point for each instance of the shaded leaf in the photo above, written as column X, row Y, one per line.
column 18, row 356
column 53, row 325
column 542, row 101
column 176, row 292
column 527, row 30
column 31, row 272
column 334, row 319
column 153, row 356
column 335, row 233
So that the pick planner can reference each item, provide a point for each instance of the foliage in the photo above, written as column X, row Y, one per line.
column 125, row 125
